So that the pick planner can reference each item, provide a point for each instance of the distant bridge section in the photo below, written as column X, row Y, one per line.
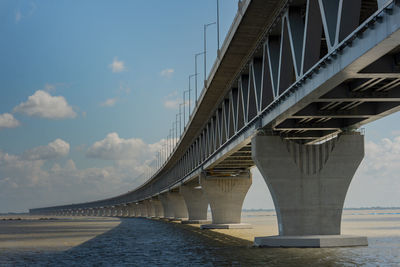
column 293, row 83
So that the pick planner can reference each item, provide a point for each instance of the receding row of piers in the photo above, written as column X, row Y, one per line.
column 188, row 203
column 308, row 184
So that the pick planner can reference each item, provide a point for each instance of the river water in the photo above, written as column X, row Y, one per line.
column 143, row 242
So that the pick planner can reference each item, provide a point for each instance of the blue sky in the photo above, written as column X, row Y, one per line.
column 88, row 90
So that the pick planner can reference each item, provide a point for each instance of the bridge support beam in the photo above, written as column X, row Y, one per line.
column 196, row 203
column 143, row 210
column 158, row 208
column 130, row 209
column 178, row 206
column 308, row 184
column 151, row 213
column 167, row 206
column 226, row 196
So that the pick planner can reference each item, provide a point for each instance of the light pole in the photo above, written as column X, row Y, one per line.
column 173, row 136
column 195, row 71
column 205, row 51
column 218, row 28
column 190, row 76
column 180, row 117
column 184, row 110
column 176, row 126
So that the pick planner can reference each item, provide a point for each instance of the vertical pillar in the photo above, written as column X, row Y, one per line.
column 167, row 206
column 143, row 210
column 131, row 209
column 308, row 184
column 196, row 203
column 149, row 208
column 158, row 208
column 178, row 206
column 226, row 196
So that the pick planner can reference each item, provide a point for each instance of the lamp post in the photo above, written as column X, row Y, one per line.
column 218, row 28
column 176, row 127
column 190, row 76
column 195, row 71
column 180, row 117
column 173, row 136
column 205, row 51
column 184, row 109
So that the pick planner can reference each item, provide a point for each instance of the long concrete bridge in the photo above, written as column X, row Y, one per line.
column 293, row 82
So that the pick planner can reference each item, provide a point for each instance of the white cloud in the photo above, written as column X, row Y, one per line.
column 28, row 180
column 7, row 120
column 42, row 104
column 115, row 148
column 18, row 16
column 109, row 102
column 56, row 149
column 117, row 65
column 167, row 73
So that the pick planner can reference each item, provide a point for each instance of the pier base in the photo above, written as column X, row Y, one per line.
column 311, row 241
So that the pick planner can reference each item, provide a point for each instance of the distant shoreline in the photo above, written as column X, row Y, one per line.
column 244, row 210
column 363, row 208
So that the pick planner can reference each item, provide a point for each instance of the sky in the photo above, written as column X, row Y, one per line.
column 89, row 91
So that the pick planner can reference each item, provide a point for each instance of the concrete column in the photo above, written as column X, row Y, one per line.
column 308, row 184
column 149, row 208
column 196, row 203
column 121, row 210
column 138, row 210
column 158, row 208
column 178, row 206
column 131, row 209
column 125, row 211
column 226, row 196
column 108, row 211
column 167, row 206
column 143, row 210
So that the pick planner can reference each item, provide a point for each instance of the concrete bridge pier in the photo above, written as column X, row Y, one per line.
column 132, row 209
column 138, row 211
column 178, row 206
column 151, row 213
column 114, row 211
column 143, row 210
column 196, row 203
column 158, row 208
column 109, row 212
column 308, row 184
column 226, row 196
column 167, row 206
column 120, row 210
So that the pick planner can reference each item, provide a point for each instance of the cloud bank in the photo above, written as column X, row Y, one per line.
column 42, row 104
column 7, row 120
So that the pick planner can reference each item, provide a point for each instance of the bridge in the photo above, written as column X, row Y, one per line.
column 292, row 84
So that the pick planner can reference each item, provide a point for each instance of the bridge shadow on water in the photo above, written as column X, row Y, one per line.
column 143, row 242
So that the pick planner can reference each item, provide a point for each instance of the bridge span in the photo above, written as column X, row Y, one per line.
column 293, row 83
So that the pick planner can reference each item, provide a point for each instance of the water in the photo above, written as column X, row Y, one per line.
column 142, row 242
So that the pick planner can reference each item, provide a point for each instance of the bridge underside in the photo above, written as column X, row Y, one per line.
column 290, row 103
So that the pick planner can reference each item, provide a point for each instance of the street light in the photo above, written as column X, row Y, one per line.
column 218, row 28
column 173, row 135
column 195, row 71
column 184, row 104
column 205, row 51
column 180, row 117
column 190, row 76
column 176, row 126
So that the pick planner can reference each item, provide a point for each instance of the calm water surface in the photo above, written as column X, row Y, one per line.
column 142, row 242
